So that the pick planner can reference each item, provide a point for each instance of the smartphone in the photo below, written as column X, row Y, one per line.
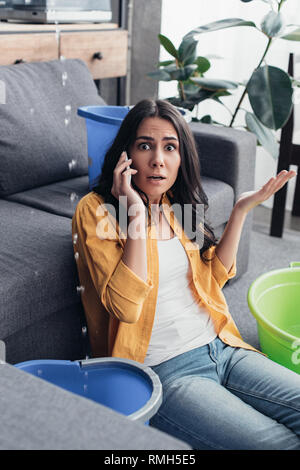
column 128, row 168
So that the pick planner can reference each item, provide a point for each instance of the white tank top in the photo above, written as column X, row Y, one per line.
column 180, row 322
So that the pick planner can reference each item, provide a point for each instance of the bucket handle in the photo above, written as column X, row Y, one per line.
column 295, row 264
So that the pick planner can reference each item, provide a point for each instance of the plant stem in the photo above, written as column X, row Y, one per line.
column 180, row 84
column 245, row 91
column 182, row 94
column 280, row 4
column 261, row 60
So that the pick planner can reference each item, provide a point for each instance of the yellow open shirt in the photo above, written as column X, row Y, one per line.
column 119, row 305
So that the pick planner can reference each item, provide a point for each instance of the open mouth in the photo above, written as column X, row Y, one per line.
column 156, row 178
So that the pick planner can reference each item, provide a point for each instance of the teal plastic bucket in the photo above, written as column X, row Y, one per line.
column 102, row 125
column 274, row 301
column 123, row 385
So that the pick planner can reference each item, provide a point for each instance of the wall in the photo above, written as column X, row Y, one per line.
column 146, row 23
column 234, row 54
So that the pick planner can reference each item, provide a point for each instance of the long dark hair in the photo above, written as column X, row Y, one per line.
column 187, row 188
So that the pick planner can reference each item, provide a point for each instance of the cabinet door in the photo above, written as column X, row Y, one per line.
column 105, row 52
column 27, row 47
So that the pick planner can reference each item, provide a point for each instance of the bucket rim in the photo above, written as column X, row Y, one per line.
column 258, row 315
column 153, row 404
column 87, row 112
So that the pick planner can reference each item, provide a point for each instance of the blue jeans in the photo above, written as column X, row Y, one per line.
column 220, row 397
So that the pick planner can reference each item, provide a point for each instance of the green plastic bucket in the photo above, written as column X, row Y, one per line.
column 274, row 301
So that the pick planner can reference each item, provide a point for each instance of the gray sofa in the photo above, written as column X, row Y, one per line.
column 43, row 175
column 37, row 415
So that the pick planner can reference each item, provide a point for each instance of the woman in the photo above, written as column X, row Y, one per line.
column 154, row 294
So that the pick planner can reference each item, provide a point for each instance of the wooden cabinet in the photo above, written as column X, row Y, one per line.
column 102, row 46
column 27, row 47
column 104, row 52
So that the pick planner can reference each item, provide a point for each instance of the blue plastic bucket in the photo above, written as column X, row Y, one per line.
column 102, row 125
column 126, row 386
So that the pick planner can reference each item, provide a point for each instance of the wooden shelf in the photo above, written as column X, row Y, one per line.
column 9, row 27
column 103, row 46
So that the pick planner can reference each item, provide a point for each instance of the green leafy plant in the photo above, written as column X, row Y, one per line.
column 269, row 89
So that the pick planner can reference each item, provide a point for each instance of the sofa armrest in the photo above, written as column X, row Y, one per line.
column 229, row 155
column 37, row 415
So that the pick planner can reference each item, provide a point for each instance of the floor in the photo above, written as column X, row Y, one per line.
column 262, row 215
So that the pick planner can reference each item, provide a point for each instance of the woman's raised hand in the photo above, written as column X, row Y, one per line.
column 251, row 199
column 121, row 185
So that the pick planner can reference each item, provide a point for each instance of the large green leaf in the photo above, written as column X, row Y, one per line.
column 191, row 100
column 190, row 88
column 270, row 94
column 164, row 63
column 161, row 75
column 170, row 68
column 292, row 36
column 187, row 51
column 183, row 73
column 272, row 23
column 202, row 95
column 219, row 94
column 168, row 45
column 181, row 103
column 203, row 65
column 207, row 119
column 222, row 93
column 220, row 24
column 264, row 135
column 214, row 83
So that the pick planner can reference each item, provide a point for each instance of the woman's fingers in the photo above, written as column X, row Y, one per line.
column 276, row 183
column 130, row 171
column 251, row 199
column 282, row 178
column 119, row 168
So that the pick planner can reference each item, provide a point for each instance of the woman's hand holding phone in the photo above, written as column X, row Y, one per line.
column 135, row 251
column 122, row 181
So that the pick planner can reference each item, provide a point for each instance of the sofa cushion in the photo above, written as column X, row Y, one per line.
column 38, row 273
column 59, row 198
column 42, row 139
column 57, row 336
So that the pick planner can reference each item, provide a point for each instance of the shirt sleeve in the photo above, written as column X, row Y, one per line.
column 121, row 291
column 218, row 270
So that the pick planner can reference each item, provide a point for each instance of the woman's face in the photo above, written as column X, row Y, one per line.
column 155, row 152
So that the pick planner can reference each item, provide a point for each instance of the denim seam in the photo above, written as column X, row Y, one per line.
column 213, row 355
column 229, row 367
column 262, row 397
column 187, row 433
